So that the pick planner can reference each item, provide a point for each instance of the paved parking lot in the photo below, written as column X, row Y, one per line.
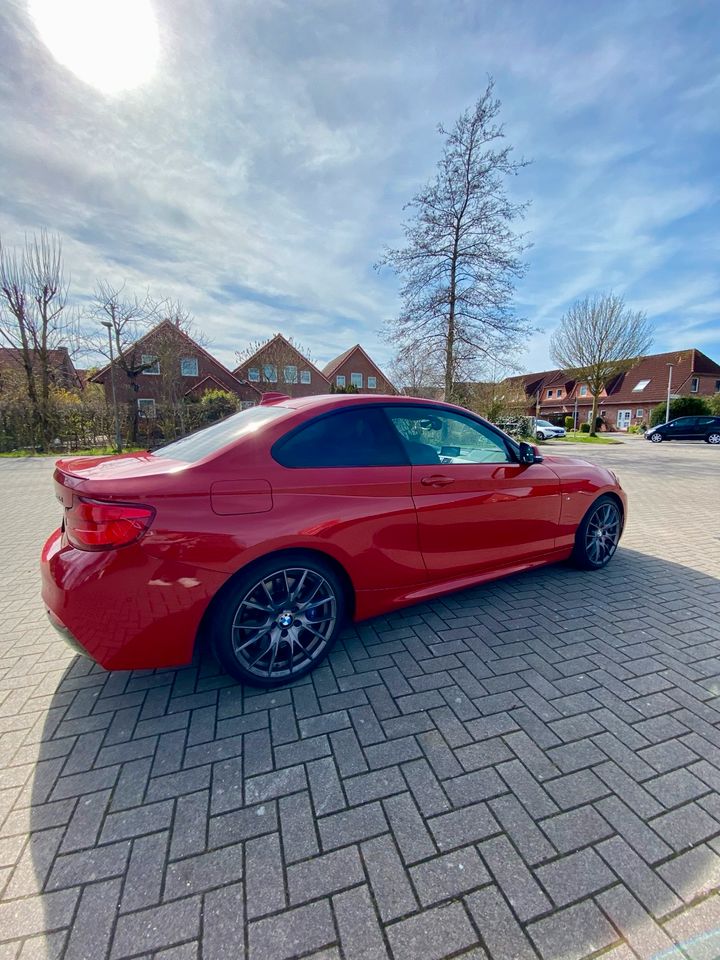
column 530, row 768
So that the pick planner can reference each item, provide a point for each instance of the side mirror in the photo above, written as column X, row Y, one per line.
column 529, row 453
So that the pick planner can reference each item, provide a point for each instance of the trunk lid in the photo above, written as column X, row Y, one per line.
column 116, row 477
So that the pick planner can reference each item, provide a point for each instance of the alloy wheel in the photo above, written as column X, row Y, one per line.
column 284, row 622
column 602, row 534
column 656, row 438
column 714, row 438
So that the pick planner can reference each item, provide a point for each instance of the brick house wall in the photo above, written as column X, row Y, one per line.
column 193, row 367
column 280, row 366
column 355, row 361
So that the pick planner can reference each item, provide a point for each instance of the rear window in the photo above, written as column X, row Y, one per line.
column 201, row 444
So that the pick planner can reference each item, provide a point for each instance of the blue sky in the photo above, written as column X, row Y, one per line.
column 260, row 170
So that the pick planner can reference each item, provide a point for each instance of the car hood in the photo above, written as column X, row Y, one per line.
column 559, row 461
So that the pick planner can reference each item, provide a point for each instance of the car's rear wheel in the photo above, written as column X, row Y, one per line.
column 598, row 535
column 656, row 437
column 278, row 620
column 713, row 438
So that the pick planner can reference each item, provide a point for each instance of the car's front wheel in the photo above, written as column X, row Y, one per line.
column 278, row 620
column 656, row 437
column 713, row 438
column 598, row 535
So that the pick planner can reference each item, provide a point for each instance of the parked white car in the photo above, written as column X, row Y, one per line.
column 544, row 430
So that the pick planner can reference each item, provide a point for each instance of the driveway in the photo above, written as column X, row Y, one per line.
column 530, row 768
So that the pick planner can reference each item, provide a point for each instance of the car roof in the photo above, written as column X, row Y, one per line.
column 330, row 400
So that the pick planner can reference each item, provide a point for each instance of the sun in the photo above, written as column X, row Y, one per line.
column 113, row 45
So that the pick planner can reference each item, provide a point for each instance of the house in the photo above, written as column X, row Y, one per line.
column 278, row 365
column 628, row 398
column 354, row 368
column 166, row 364
column 62, row 370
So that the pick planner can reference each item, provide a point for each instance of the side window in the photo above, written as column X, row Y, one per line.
column 361, row 437
column 440, row 436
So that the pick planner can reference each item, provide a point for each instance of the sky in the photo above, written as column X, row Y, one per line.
column 257, row 161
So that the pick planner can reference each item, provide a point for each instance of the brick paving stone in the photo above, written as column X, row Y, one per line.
column 570, row 742
column 572, row 933
column 448, row 876
column 292, row 933
column 499, row 929
column 388, row 879
column 432, row 934
column 575, row 876
column 360, row 933
column 514, row 879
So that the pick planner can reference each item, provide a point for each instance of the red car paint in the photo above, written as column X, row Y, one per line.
column 400, row 533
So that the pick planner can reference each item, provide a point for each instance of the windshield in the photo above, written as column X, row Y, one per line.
column 201, row 444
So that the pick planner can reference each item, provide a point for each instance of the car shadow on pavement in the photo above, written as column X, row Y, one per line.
column 530, row 765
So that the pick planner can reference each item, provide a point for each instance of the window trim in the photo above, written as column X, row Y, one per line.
column 360, row 378
column 194, row 360
column 338, row 378
column 306, row 376
column 144, row 416
column 373, row 385
column 145, row 358
column 290, row 366
column 583, row 390
column 265, row 377
column 549, row 394
column 695, row 385
column 251, row 371
column 513, row 447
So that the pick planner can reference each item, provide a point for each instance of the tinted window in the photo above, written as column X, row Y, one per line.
column 683, row 422
column 361, row 437
column 212, row 438
column 432, row 436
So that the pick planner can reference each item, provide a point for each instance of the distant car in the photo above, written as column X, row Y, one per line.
column 544, row 430
column 264, row 532
column 687, row 428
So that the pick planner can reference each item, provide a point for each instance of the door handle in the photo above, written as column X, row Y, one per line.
column 437, row 480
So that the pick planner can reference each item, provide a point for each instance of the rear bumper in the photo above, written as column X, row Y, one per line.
column 123, row 608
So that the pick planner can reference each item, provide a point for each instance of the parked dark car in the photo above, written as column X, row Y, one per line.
column 687, row 428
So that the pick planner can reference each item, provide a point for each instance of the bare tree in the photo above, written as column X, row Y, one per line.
column 35, row 320
column 417, row 370
column 598, row 339
column 462, row 256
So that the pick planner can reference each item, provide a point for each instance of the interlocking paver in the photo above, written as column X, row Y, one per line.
column 453, row 778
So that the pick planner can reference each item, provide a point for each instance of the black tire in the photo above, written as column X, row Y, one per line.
column 713, row 438
column 598, row 535
column 267, row 631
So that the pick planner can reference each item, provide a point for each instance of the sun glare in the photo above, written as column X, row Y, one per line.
column 112, row 45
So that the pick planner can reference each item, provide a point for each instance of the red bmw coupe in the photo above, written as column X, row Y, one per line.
column 265, row 531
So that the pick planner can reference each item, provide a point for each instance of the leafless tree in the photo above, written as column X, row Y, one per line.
column 417, row 370
column 598, row 339
column 462, row 255
column 35, row 320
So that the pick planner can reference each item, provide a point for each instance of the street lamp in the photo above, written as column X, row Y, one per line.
column 118, row 438
column 667, row 405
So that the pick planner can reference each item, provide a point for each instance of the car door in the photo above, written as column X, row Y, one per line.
column 347, row 481
column 478, row 508
column 683, row 428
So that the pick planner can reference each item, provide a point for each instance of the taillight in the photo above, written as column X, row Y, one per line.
column 96, row 525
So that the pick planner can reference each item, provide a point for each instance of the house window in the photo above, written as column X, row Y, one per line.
column 254, row 374
column 270, row 372
column 189, row 367
column 717, row 386
column 305, row 376
column 340, row 381
column 640, row 385
column 356, row 379
column 549, row 393
column 290, row 374
column 559, row 393
column 146, row 409
column 583, row 391
column 153, row 364
column 694, row 384
column 372, row 383
column 639, row 414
